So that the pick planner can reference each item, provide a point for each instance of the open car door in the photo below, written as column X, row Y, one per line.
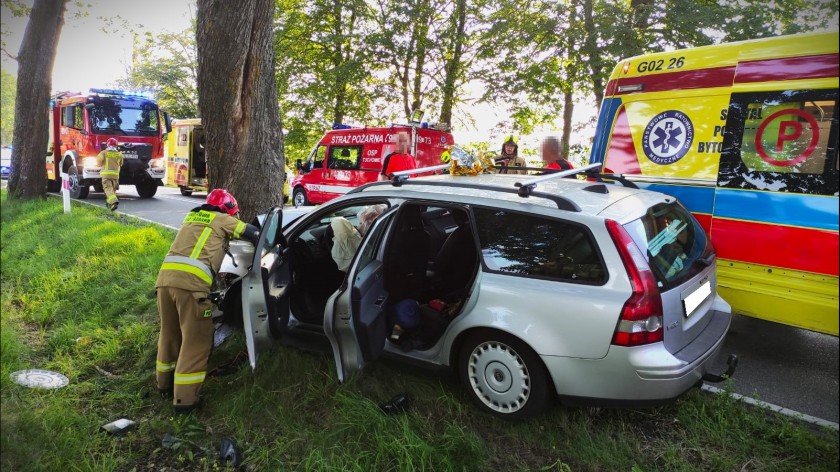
column 355, row 316
column 265, row 290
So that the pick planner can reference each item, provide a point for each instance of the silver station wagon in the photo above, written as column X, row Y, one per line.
column 530, row 288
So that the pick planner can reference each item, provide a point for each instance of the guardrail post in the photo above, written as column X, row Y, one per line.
column 65, row 191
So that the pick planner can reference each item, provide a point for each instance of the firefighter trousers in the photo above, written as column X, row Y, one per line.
column 110, row 187
column 185, row 342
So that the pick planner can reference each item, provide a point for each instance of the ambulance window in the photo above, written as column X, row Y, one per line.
column 345, row 157
column 781, row 141
column 318, row 157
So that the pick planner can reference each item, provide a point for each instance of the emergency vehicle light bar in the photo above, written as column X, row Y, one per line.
column 528, row 186
column 122, row 93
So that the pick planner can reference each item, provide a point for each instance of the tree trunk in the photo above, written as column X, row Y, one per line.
column 32, row 101
column 568, row 110
column 453, row 66
column 591, row 45
column 238, row 101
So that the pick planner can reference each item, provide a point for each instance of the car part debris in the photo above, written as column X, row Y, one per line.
column 37, row 378
column 229, row 454
column 119, row 426
column 397, row 404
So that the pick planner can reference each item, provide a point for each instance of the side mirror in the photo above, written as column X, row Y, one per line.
column 167, row 122
column 298, row 165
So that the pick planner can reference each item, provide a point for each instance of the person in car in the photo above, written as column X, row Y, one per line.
column 552, row 155
column 183, row 295
column 367, row 215
column 398, row 160
column 509, row 157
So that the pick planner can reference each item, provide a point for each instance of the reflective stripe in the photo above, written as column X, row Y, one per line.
column 187, row 379
column 111, row 199
column 106, row 173
column 199, row 245
column 165, row 366
column 185, row 264
column 240, row 227
column 201, row 217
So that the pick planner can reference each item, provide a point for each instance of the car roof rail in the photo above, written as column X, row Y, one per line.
column 527, row 187
column 402, row 178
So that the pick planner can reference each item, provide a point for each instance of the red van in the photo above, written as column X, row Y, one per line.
column 346, row 158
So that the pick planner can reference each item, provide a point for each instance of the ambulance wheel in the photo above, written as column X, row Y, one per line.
column 77, row 188
column 299, row 197
column 185, row 191
column 146, row 189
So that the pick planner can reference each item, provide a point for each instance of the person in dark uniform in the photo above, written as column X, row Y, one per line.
column 183, row 295
column 111, row 160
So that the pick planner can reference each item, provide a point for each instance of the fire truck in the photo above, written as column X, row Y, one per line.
column 81, row 124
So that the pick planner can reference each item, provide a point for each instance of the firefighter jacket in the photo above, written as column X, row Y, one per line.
column 199, row 247
column 111, row 162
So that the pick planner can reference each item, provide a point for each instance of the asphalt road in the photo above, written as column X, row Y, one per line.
column 784, row 366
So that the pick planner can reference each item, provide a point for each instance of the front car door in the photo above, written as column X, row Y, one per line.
column 355, row 318
column 265, row 290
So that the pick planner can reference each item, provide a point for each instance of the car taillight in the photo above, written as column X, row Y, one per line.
column 641, row 316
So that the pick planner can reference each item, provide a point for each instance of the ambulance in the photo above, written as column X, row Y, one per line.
column 745, row 135
column 347, row 157
column 186, row 164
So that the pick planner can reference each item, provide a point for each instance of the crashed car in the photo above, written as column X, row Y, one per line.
column 531, row 290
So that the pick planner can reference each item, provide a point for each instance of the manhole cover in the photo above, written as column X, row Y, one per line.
column 36, row 378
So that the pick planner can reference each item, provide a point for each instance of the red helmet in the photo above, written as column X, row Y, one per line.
column 111, row 143
column 223, row 200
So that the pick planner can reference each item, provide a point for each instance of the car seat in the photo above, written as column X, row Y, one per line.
column 406, row 256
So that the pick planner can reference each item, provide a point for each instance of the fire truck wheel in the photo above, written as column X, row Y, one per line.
column 146, row 189
column 185, row 191
column 299, row 197
column 77, row 189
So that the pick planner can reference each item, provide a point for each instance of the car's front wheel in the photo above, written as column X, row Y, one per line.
column 503, row 375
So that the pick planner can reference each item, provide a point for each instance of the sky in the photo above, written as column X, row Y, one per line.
column 88, row 57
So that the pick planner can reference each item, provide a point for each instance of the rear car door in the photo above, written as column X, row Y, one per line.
column 265, row 289
column 355, row 317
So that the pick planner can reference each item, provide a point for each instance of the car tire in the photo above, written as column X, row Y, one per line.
column 503, row 376
column 185, row 191
column 146, row 189
column 299, row 197
column 77, row 189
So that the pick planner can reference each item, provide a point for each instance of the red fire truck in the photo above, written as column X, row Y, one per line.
column 81, row 124
column 347, row 157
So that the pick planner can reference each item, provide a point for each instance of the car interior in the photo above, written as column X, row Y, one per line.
column 420, row 252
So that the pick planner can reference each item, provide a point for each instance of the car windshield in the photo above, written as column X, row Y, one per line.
column 124, row 117
column 673, row 241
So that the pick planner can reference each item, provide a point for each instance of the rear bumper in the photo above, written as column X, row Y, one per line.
column 640, row 374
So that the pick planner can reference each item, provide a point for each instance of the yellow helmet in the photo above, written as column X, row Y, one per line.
column 445, row 156
column 511, row 138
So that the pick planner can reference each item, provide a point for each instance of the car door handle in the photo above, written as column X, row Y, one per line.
column 379, row 301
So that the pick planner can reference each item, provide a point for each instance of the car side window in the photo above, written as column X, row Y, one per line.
column 537, row 246
column 318, row 157
column 345, row 157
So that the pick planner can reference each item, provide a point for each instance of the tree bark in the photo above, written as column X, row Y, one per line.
column 238, row 101
column 32, row 100
column 595, row 64
column 453, row 66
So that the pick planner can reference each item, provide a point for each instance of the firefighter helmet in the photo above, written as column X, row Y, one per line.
column 511, row 138
column 223, row 200
column 111, row 143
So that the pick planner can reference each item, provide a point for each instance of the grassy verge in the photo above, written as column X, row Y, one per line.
column 78, row 298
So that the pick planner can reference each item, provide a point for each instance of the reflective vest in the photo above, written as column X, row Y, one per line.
column 111, row 163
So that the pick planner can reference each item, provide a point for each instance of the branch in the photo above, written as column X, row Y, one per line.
column 8, row 54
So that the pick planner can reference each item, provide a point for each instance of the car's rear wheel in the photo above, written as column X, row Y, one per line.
column 503, row 376
column 299, row 197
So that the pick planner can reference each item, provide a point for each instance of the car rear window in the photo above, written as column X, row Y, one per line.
column 674, row 243
column 535, row 246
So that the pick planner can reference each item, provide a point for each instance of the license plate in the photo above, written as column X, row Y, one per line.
column 129, row 154
column 696, row 298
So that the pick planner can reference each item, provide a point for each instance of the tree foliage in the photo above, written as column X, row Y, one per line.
column 8, row 87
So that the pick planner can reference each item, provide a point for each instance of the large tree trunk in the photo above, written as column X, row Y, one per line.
column 590, row 44
column 32, row 101
column 238, row 101
column 453, row 66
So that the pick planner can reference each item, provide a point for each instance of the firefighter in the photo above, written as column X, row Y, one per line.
column 509, row 157
column 111, row 160
column 183, row 291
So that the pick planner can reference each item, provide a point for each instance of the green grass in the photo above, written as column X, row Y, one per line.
column 78, row 298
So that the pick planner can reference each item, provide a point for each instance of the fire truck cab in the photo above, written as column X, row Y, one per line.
column 348, row 157
column 81, row 124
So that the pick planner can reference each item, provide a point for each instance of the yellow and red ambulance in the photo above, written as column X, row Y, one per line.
column 745, row 134
column 347, row 157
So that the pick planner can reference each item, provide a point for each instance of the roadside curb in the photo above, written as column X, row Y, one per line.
column 775, row 408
